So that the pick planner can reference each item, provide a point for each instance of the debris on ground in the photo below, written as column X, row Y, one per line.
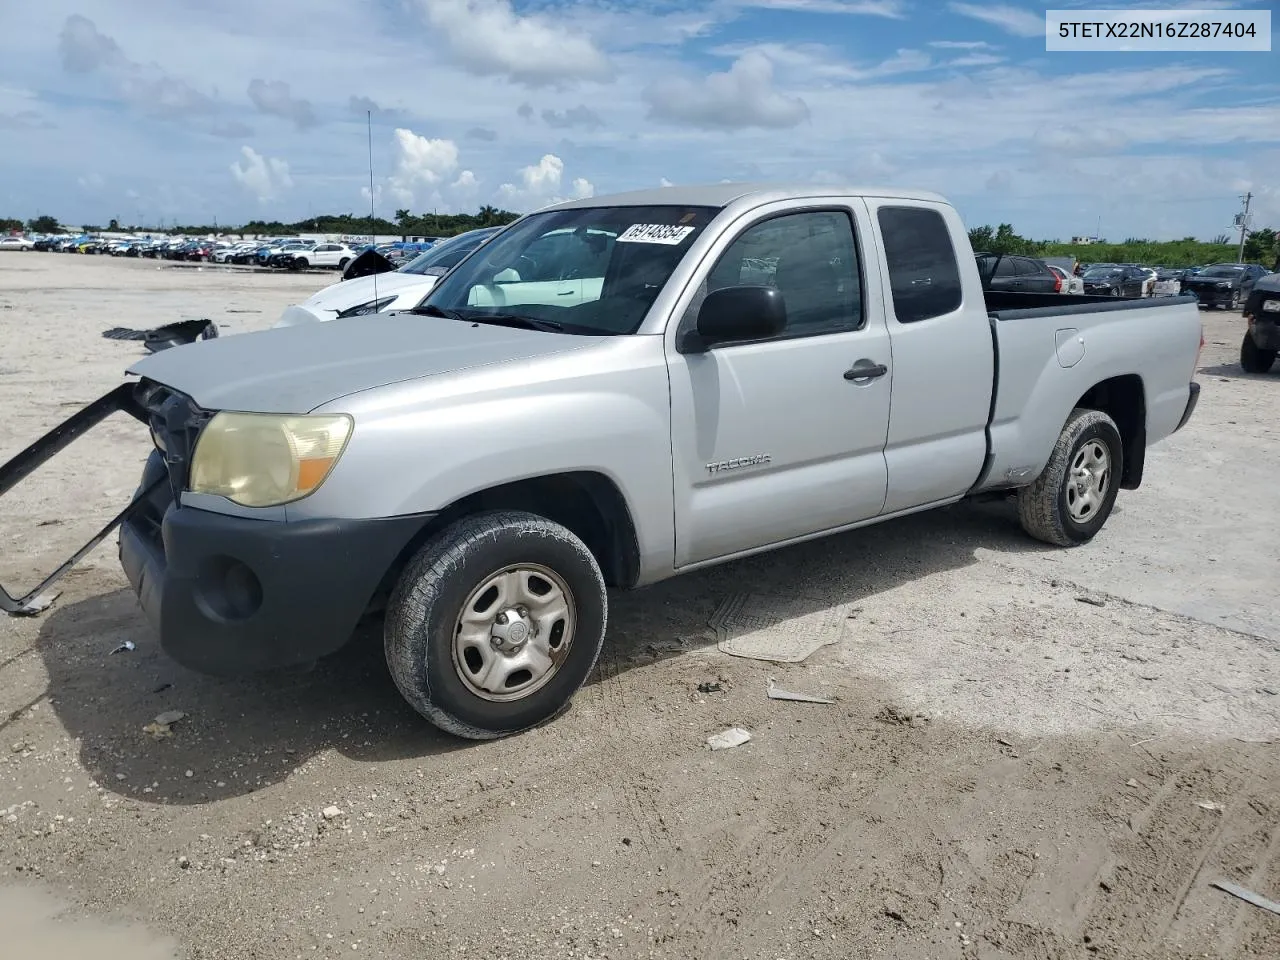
column 127, row 647
column 168, row 335
column 891, row 714
column 711, row 686
column 1247, row 895
column 162, row 725
column 733, row 737
column 38, row 604
column 777, row 693
column 1215, row 807
column 331, row 812
column 1091, row 601
column 781, row 629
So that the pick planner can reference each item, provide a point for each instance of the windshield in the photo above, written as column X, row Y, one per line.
column 1103, row 273
column 437, row 260
column 593, row 270
column 1220, row 271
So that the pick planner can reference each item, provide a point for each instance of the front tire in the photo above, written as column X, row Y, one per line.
column 1074, row 494
column 1254, row 360
column 495, row 624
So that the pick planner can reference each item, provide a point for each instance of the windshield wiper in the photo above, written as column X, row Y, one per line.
column 431, row 310
column 516, row 320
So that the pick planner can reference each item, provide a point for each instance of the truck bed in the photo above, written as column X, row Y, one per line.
column 1013, row 305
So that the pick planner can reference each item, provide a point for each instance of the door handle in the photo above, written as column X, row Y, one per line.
column 865, row 370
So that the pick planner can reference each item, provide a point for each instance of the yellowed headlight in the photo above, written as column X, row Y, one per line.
column 263, row 460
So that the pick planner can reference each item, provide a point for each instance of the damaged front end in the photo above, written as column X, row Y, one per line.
column 174, row 422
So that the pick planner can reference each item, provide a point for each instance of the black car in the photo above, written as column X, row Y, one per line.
column 1262, row 339
column 1113, row 280
column 1020, row 274
column 1225, row 285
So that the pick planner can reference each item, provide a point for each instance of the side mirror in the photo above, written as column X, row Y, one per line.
column 737, row 313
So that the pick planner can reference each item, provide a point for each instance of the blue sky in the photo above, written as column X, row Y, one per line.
column 242, row 108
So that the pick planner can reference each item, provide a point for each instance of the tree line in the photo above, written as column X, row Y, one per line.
column 1262, row 246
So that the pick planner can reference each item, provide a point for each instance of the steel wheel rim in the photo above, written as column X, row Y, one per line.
column 1088, row 481
column 502, row 660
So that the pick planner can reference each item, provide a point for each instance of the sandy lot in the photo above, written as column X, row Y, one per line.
column 1007, row 771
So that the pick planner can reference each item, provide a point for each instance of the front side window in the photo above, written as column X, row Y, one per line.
column 923, row 274
column 811, row 258
column 591, row 270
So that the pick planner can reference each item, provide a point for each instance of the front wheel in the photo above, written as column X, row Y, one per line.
column 1073, row 496
column 495, row 624
column 1254, row 360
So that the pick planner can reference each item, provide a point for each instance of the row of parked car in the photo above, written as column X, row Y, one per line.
column 286, row 252
column 1225, row 285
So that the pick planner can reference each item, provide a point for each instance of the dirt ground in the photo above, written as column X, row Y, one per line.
column 1008, row 770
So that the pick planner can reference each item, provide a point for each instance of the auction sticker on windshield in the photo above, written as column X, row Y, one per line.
column 654, row 233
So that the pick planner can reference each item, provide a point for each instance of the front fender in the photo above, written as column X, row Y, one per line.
column 419, row 454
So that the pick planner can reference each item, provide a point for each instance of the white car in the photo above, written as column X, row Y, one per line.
column 396, row 290
column 325, row 255
column 1071, row 284
column 16, row 243
column 244, row 247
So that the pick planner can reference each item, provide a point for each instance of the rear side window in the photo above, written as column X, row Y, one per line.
column 923, row 274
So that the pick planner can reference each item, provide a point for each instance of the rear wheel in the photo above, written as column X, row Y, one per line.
column 342, row 264
column 495, row 624
column 1254, row 360
column 1074, row 494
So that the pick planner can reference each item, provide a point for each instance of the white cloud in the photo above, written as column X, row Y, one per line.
column 743, row 96
column 541, row 184
column 1015, row 20
column 975, row 60
column 91, row 181
column 87, row 50
column 273, row 97
column 420, row 163
column 962, row 45
column 488, row 38
column 893, row 9
column 264, row 177
column 579, row 116
column 664, row 182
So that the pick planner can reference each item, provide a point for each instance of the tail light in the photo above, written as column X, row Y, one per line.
column 1199, row 350
column 1057, row 283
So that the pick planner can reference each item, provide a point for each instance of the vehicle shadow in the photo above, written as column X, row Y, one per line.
column 1235, row 372
column 247, row 733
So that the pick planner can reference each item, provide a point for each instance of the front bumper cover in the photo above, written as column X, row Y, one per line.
column 230, row 595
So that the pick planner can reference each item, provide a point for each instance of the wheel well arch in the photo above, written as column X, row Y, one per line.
column 1124, row 400
column 586, row 502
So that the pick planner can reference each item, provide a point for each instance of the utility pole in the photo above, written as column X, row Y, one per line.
column 1244, row 225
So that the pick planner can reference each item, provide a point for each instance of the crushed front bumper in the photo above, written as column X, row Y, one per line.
column 230, row 595
column 226, row 594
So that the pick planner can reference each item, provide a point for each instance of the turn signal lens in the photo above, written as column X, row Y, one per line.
column 264, row 460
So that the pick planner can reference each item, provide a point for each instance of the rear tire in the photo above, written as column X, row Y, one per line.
column 1254, row 360
column 450, row 616
column 342, row 264
column 1073, row 496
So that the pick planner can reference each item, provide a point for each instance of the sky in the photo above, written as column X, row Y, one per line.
column 243, row 109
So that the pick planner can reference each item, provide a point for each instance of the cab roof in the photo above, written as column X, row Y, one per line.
column 722, row 194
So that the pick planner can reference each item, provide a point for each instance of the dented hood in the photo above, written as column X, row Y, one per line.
column 296, row 369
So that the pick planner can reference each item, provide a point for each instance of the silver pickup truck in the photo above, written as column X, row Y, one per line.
column 611, row 392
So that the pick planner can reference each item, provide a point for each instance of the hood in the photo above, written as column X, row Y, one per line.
column 1268, row 284
column 296, row 369
column 351, row 293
